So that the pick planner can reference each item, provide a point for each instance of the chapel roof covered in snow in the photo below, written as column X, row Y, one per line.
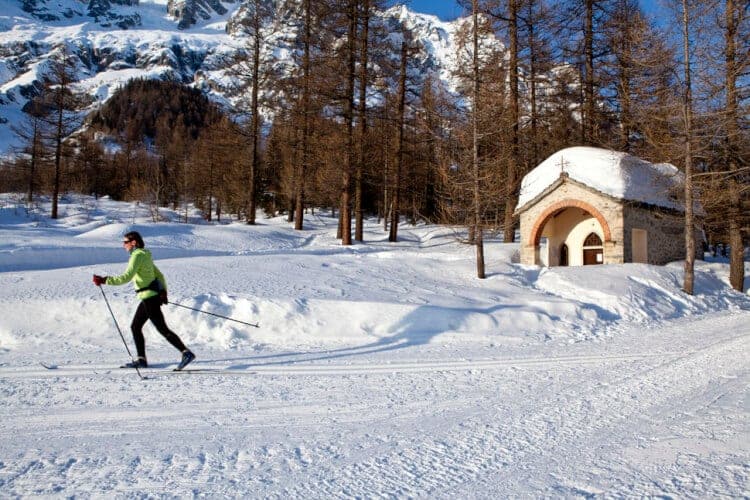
column 613, row 173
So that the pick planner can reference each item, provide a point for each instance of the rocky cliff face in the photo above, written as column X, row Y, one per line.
column 105, row 13
column 189, row 12
column 44, row 12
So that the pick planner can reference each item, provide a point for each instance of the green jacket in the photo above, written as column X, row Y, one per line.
column 141, row 271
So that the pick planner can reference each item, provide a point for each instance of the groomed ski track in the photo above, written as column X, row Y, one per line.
column 328, row 370
column 586, row 423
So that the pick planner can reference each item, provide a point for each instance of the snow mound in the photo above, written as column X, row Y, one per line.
column 305, row 289
column 637, row 293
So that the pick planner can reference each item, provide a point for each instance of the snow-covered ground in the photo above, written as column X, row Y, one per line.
column 378, row 370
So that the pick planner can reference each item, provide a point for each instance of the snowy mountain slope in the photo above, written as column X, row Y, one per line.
column 107, row 56
column 157, row 40
column 378, row 370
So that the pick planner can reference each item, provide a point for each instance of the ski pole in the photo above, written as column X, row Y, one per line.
column 119, row 331
column 256, row 325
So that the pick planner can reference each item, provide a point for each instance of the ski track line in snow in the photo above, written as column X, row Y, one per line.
column 516, row 454
column 322, row 370
column 508, row 446
column 630, row 402
column 265, row 415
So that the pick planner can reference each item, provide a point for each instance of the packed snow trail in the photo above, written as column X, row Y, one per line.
column 541, row 439
column 550, row 427
column 53, row 370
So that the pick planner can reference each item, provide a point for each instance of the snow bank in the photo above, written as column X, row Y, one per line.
column 305, row 289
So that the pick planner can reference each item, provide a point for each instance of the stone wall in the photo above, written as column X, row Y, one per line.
column 665, row 233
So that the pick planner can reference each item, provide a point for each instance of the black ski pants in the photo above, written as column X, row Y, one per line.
column 150, row 309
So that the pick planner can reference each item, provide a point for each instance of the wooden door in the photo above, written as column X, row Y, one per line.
column 593, row 256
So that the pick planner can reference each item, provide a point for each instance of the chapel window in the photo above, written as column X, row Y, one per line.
column 592, row 240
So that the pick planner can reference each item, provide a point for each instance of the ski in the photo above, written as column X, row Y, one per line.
column 155, row 370
column 76, row 369
column 206, row 371
column 127, row 366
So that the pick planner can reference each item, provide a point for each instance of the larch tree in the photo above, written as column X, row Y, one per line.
column 736, row 70
column 535, row 43
column 687, row 110
column 582, row 30
column 31, row 132
column 510, row 14
column 363, row 77
column 215, row 157
column 374, row 47
column 61, row 105
column 478, row 222
column 345, row 206
column 395, row 208
column 638, row 83
column 259, row 21
column 306, row 110
column 303, row 87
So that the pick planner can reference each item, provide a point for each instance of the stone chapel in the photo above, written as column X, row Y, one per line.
column 585, row 205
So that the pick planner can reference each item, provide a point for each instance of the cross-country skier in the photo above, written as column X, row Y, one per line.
column 151, row 289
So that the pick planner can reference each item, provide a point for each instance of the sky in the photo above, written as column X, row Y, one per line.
column 448, row 10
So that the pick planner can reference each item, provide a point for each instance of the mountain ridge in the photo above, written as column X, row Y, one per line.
column 188, row 41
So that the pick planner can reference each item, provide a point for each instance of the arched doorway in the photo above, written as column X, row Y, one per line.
column 568, row 223
column 593, row 250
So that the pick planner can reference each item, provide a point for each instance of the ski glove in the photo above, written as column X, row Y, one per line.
column 163, row 297
column 100, row 280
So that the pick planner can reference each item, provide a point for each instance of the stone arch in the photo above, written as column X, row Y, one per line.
column 549, row 212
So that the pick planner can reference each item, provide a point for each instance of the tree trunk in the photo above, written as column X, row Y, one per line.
column 532, row 87
column 386, row 168
column 299, row 202
column 255, row 117
column 395, row 214
column 362, row 112
column 511, row 197
column 624, row 77
column 688, row 117
column 588, row 87
column 346, row 179
column 35, row 143
column 478, row 239
column 736, row 256
column 58, row 156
